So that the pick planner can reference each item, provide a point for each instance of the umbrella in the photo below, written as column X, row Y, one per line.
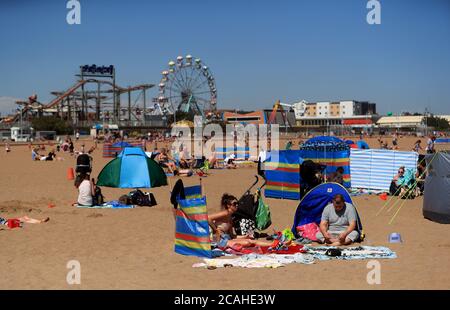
column 132, row 169
column 122, row 144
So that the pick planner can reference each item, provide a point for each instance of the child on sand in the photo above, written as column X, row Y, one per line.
column 18, row 222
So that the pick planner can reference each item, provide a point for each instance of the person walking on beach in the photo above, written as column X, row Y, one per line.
column 417, row 146
column 430, row 144
column 7, row 147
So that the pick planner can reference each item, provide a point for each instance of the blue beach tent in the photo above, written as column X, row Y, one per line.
column 312, row 204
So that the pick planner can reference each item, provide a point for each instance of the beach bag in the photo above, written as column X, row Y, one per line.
column 98, row 198
column 308, row 231
column 140, row 199
column 263, row 220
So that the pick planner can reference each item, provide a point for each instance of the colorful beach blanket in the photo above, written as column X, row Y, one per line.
column 351, row 253
column 257, row 261
column 312, row 254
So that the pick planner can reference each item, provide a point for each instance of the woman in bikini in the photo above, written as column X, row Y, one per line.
column 222, row 226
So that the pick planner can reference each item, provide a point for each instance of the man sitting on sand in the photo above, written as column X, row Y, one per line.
column 338, row 224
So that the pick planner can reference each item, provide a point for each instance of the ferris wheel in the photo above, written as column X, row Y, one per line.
column 187, row 86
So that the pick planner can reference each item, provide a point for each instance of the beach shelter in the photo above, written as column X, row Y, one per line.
column 436, row 201
column 329, row 151
column 282, row 173
column 132, row 169
column 192, row 228
column 362, row 145
column 312, row 204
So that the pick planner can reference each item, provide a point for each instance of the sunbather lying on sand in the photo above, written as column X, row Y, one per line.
column 17, row 222
column 222, row 226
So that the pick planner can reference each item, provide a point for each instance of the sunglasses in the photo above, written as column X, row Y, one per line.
column 234, row 203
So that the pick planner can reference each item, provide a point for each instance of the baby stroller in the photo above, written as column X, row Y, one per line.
column 84, row 164
column 244, row 219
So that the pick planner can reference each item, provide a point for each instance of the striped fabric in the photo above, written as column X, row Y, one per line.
column 222, row 152
column 241, row 152
column 110, row 151
column 192, row 229
column 442, row 140
column 192, row 192
column 332, row 160
column 283, row 175
column 374, row 169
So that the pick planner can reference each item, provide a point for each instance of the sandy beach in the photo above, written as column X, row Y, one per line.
column 133, row 249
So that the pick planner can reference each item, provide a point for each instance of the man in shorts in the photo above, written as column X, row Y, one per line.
column 338, row 224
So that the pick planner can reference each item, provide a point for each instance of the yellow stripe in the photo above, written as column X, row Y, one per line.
column 194, row 210
column 194, row 245
column 281, row 165
column 281, row 188
column 330, row 160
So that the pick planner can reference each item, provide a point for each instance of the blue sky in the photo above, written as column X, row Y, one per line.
column 258, row 51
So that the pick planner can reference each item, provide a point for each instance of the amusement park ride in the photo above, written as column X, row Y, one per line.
column 298, row 107
column 187, row 86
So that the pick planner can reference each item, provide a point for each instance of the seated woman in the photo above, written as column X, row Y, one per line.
column 166, row 161
column 185, row 161
column 222, row 226
column 86, row 190
column 403, row 183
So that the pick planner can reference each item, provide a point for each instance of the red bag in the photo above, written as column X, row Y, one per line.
column 13, row 223
column 308, row 231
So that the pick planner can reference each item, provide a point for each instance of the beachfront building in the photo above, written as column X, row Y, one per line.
column 348, row 113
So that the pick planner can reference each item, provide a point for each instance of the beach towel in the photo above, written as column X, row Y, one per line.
column 192, row 229
column 257, row 261
column 114, row 204
column 351, row 253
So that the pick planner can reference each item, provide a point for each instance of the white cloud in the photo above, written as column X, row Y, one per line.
column 7, row 105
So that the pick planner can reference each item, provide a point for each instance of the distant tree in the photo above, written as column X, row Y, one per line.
column 438, row 123
column 51, row 123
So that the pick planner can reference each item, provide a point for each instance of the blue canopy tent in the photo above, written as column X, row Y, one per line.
column 132, row 169
column 312, row 204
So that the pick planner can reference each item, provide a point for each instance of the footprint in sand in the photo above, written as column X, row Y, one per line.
column 94, row 215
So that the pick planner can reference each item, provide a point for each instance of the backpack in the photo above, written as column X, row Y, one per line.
column 140, row 199
column 98, row 198
column 263, row 219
